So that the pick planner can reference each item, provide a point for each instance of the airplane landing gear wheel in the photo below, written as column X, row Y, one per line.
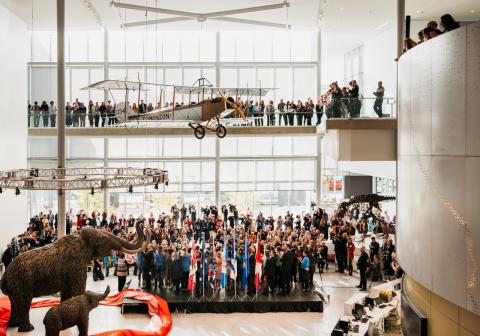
column 199, row 132
column 221, row 131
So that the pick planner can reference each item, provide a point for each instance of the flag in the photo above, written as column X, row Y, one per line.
column 246, row 265
column 233, row 262
column 258, row 266
column 224, row 262
column 193, row 269
column 203, row 262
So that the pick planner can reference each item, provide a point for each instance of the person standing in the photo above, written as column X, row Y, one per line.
column 45, row 114
column 305, row 271
column 319, row 110
column 96, row 114
column 281, row 111
column 362, row 265
column 36, row 114
column 374, row 248
column 351, row 252
column 377, row 106
column 90, row 113
column 270, row 110
column 52, row 110
column 68, row 114
column 122, row 271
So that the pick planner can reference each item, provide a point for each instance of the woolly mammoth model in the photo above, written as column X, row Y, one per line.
column 60, row 267
column 72, row 312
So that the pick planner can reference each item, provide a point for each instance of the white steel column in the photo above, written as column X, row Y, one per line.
column 217, row 172
column 319, row 63
column 400, row 25
column 105, row 61
column 61, row 225
column 106, row 193
column 318, row 168
column 217, row 59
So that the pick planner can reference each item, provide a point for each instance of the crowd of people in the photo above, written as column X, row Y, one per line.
column 447, row 23
column 337, row 102
column 190, row 250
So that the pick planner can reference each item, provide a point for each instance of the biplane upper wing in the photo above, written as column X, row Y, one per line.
column 211, row 90
column 112, row 84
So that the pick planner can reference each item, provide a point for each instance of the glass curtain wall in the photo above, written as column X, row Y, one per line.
column 273, row 177
column 280, row 59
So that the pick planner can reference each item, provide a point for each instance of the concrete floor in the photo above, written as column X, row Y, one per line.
column 340, row 287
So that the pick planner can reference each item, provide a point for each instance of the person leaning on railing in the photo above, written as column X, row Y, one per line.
column 377, row 106
column 281, row 113
column 52, row 110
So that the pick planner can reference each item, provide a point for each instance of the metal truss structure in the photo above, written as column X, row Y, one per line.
column 81, row 178
column 223, row 16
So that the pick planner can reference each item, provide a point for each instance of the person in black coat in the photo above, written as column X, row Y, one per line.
column 339, row 252
column 177, row 273
column 148, row 267
column 270, row 273
column 286, row 270
column 362, row 264
column 251, row 275
column 374, row 248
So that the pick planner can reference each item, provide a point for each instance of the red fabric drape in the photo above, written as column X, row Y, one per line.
column 156, row 307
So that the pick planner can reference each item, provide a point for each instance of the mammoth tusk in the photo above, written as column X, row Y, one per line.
column 143, row 247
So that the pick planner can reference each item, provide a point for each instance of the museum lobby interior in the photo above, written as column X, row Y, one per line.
column 277, row 167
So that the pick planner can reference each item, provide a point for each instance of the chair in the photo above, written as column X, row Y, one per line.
column 392, row 321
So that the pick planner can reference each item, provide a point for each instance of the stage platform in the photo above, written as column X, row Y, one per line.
column 296, row 301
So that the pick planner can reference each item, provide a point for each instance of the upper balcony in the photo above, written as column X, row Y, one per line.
column 336, row 116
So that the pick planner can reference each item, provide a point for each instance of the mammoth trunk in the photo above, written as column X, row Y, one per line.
column 141, row 242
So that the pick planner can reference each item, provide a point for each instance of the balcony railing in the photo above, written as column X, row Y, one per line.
column 351, row 108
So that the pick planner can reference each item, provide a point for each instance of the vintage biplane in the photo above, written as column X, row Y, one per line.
column 207, row 105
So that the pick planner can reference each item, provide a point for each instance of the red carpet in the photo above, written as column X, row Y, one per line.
column 157, row 307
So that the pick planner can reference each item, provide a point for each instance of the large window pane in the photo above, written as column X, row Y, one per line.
column 84, row 147
column 172, row 147
column 246, row 77
column 244, row 46
column 263, row 46
column 208, row 44
column 95, row 46
column 284, row 84
column 191, row 147
column 304, row 83
column 80, row 80
column 282, row 146
column 304, row 145
column 303, row 170
column 136, row 147
column 191, row 172
column 283, row 170
column 171, row 48
column 228, row 146
column 228, row 77
column 116, row 46
column 42, row 44
column 208, row 171
column 265, row 171
column 77, row 47
column 42, row 147
column 190, row 47
column 117, row 147
column 228, row 171
column 227, row 46
column 281, row 46
column 265, row 79
column 246, row 171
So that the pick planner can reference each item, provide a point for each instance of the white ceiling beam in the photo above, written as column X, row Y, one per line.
column 246, row 10
column 252, row 22
column 198, row 15
column 155, row 10
column 159, row 21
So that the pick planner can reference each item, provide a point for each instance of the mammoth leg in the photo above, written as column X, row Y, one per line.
column 51, row 331
column 83, row 326
column 14, row 313
column 23, row 318
column 74, row 285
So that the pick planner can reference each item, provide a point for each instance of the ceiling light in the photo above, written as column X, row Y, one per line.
column 472, row 10
column 419, row 11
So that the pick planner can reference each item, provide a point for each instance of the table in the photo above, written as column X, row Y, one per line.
column 377, row 317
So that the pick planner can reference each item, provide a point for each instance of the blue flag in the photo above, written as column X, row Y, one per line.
column 224, row 262
column 246, row 265
column 233, row 262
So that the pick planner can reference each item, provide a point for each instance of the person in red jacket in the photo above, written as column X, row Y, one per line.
column 351, row 252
